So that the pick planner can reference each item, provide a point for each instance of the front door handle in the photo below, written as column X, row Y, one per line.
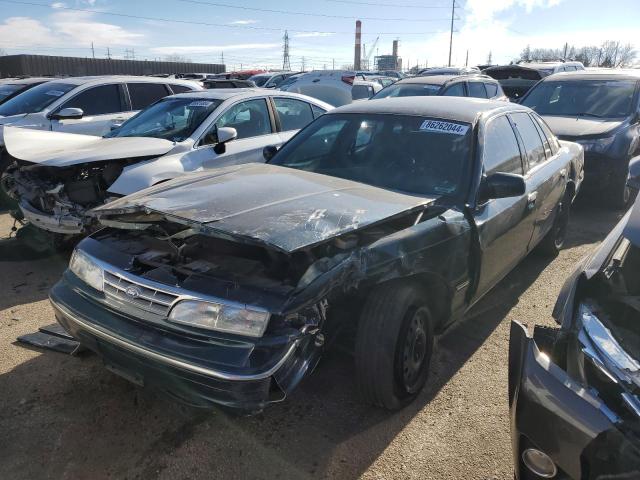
column 531, row 200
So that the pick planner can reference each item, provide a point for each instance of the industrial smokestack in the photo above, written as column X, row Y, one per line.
column 357, row 58
column 395, row 53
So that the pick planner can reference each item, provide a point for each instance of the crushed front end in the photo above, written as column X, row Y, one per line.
column 574, row 391
column 57, row 199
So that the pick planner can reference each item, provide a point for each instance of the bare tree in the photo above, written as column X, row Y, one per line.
column 174, row 57
column 626, row 55
column 610, row 54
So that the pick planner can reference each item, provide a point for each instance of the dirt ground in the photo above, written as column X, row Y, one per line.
column 64, row 417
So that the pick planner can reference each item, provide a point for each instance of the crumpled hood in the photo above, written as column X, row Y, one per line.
column 63, row 149
column 572, row 127
column 281, row 207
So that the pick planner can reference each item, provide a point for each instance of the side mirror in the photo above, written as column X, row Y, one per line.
column 69, row 113
column 634, row 173
column 269, row 152
column 502, row 185
column 222, row 136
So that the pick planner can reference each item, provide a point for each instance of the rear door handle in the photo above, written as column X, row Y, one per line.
column 531, row 200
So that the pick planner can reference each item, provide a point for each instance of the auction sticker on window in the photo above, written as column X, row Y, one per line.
column 54, row 93
column 200, row 103
column 444, row 127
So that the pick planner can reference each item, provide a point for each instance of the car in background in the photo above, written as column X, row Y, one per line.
column 230, row 83
column 331, row 86
column 292, row 79
column 12, row 87
column 364, row 89
column 517, row 79
column 382, row 220
column 87, row 105
column 478, row 86
column 574, row 391
column 600, row 109
column 384, row 81
column 56, row 178
column 391, row 73
column 270, row 79
column 448, row 71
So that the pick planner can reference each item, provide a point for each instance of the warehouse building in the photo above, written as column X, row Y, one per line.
column 45, row 65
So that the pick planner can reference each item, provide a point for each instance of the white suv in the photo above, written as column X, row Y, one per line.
column 87, row 105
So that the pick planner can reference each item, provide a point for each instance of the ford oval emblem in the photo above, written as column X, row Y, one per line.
column 133, row 292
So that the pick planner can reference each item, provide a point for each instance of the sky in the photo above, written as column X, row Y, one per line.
column 249, row 33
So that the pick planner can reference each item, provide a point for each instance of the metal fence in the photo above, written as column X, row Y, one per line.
column 45, row 65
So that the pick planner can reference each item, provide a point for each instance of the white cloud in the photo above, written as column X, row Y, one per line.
column 243, row 22
column 64, row 29
column 192, row 49
column 58, row 5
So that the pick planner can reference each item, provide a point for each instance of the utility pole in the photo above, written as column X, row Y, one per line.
column 466, row 61
column 333, row 64
column 566, row 47
column 303, row 59
column 93, row 52
column 286, row 63
column 108, row 53
column 222, row 57
column 453, row 13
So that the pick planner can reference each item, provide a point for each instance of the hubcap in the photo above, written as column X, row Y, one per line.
column 414, row 351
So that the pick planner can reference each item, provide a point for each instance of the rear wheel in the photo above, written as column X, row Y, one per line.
column 555, row 238
column 394, row 346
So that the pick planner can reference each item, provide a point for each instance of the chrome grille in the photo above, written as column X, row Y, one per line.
column 137, row 294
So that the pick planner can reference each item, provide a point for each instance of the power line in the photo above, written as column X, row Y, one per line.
column 376, row 4
column 206, row 24
column 308, row 14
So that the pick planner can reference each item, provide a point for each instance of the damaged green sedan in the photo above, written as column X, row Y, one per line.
column 381, row 222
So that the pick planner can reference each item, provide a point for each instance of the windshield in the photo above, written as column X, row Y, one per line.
column 409, row 90
column 8, row 89
column 35, row 99
column 591, row 98
column 259, row 80
column 172, row 119
column 410, row 154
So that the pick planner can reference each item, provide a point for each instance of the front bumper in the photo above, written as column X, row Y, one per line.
column 551, row 412
column 66, row 224
column 602, row 171
column 178, row 365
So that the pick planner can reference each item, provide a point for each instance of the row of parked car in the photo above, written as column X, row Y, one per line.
column 225, row 251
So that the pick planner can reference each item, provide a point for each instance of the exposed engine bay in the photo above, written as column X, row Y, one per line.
column 56, row 199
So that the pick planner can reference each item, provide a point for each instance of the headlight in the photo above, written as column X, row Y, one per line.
column 86, row 269
column 220, row 317
column 598, row 145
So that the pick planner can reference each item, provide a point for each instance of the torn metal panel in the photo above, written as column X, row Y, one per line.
column 50, row 342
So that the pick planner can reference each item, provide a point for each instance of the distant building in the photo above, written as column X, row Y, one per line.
column 388, row 62
column 44, row 65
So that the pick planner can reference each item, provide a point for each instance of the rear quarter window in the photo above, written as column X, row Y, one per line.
column 144, row 94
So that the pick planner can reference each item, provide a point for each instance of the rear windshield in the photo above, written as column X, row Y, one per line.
column 506, row 73
column 410, row 154
column 589, row 98
column 35, row 99
column 259, row 80
column 409, row 90
column 172, row 119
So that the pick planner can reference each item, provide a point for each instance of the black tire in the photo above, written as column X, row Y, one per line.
column 394, row 345
column 555, row 238
column 618, row 195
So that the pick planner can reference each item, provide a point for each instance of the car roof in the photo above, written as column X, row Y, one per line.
column 597, row 74
column 26, row 81
column 118, row 78
column 226, row 93
column 462, row 109
column 442, row 79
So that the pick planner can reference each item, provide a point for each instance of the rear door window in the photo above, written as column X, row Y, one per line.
column 100, row 100
column 476, row 89
column 551, row 138
column 180, row 88
column 530, row 137
column 501, row 152
column 250, row 118
column 144, row 94
column 492, row 89
column 294, row 114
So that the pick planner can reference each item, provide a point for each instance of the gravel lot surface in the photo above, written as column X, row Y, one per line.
column 68, row 418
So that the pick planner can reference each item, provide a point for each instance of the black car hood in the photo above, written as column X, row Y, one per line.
column 572, row 127
column 281, row 207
